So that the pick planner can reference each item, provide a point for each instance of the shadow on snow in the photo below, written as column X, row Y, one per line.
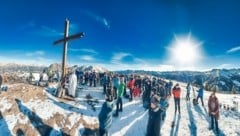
column 43, row 129
column 192, row 125
column 4, row 127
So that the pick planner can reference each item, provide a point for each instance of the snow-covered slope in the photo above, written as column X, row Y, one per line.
column 40, row 109
column 194, row 120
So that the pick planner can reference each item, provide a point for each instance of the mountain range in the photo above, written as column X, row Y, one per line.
column 222, row 80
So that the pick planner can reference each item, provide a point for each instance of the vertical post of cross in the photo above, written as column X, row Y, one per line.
column 65, row 49
column 65, row 40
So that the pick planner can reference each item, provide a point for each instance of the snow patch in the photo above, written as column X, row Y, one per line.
column 4, row 104
column 44, row 109
column 12, row 121
column 73, row 118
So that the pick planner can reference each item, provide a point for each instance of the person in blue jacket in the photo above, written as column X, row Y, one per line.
column 105, row 116
column 163, row 107
column 200, row 94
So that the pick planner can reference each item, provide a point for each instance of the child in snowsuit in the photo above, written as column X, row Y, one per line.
column 136, row 91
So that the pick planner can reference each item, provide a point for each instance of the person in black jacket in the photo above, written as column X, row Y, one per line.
column 154, row 120
column 1, row 80
column 105, row 116
column 147, row 94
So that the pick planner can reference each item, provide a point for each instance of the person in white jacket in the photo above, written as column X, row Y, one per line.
column 72, row 84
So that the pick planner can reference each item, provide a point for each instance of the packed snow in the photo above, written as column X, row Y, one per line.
column 194, row 120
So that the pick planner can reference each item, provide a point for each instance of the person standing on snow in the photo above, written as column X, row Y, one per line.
column 154, row 119
column 213, row 109
column 176, row 93
column 72, row 84
column 130, row 85
column 115, row 83
column 105, row 83
column 200, row 94
column 120, row 91
column 105, row 116
column 1, row 81
column 188, row 88
column 147, row 94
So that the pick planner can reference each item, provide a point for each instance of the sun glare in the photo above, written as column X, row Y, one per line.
column 185, row 51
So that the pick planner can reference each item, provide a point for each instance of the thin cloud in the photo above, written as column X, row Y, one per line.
column 98, row 18
column 87, row 58
column 47, row 31
column 83, row 50
column 36, row 53
column 117, row 57
column 43, row 30
column 235, row 49
column 30, row 24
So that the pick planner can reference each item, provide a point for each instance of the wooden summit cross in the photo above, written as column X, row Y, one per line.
column 65, row 40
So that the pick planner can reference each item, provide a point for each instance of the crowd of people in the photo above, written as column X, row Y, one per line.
column 155, row 94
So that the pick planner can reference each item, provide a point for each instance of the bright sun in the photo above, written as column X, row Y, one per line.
column 185, row 51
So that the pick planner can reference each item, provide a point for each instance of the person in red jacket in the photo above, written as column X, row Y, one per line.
column 130, row 85
column 176, row 94
column 136, row 92
column 213, row 110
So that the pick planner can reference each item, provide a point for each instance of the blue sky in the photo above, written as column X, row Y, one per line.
column 122, row 34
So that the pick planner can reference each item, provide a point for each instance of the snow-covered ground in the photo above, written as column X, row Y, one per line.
column 71, row 117
column 194, row 120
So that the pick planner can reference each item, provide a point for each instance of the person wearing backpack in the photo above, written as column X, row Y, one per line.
column 105, row 116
